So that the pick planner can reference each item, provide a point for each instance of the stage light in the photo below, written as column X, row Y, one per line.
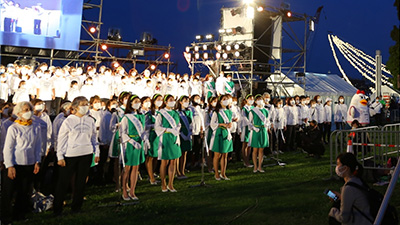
column 228, row 48
column 248, row 1
column 115, row 64
column 237, row 54
column 104, row 47
column 197, row 55
column 236, row 46
column 260, row 8
column 225, row 55
column 187, row 49
column 239, row 46
column 229, row 30
column 92, row 29
column 196, row 48
column 166, row 55
column 289, row 14
column 250, row 12
column 219, row 47
column 153, row 67
column 221, row 31
column 217, row 55
column 210, row 36
column 204, row 47
column 205, row 55
column 199, row 37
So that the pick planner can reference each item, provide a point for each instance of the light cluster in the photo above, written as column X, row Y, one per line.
column 217, row 50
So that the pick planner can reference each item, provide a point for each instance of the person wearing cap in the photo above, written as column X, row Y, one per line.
column 134, row 138
column 340, row 112
column 168, row 127
column 328, row 120
column 247, row 105
column 22, row 149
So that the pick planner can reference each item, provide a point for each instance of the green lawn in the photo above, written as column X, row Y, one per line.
column 282, row 195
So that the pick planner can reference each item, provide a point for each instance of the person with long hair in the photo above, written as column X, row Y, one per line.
column 76, row 144
column 154, row 139
column 167, row 127
column 221, row 141
column 209, row 87
column 186, row 119
column 320, row 112
column 212, row 104
column 279, row 126
column 247, row 105
column 339, row 113
column 258, row 139
column 134, row 139
column 22, row 158
column 292, row 117
column 198, row 129
column 115, row 148
column 237, row 145
column 354, row 205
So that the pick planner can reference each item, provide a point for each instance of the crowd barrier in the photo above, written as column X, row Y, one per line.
column 373, row 146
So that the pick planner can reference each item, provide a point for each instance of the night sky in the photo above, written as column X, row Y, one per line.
column 366, row 24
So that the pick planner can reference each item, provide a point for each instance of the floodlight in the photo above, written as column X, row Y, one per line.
column 250, row 12
column 209, row 36
column 92, row 29
column 204, row 47
column 225, row 55
column 219, row 47
column 221, row 31
column 260, row 8
column 196, row 48
column 217, row 55
column 153, row 67
column 115, row 64
column 197, row 55
column 166, row 55
column 237, row 54
column 187, row 49
column 228, row 48
column 205, row 55
column 104, row 47
column 199, row 37
column 289, row 14
column 229, row 30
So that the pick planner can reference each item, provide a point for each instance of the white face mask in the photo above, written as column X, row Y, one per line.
column 158, row 103
column 307, row 102
column 171, row 104
column 27, row 115
column 292, row 102
column 197, row 101
column 39, row 108
column 297, row 101
column 319, row 100
column 341, row 100
column 303, row 102
column 125, row 101
column 267, row 100
column 313, row 106
column 67, row 112
column 147, row 104
column 114, row 106
column 260, row 102
column 136, row 106
column 340, row 170
column 185, row 104
column 225, row 102
column 234, row 102
column 251, row 102
column 83, row 110
column 213, row 104
column 97, row 105
column 279, row 105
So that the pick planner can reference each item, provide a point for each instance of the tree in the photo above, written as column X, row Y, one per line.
column 393, row 64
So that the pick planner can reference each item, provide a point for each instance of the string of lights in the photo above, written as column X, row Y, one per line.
column 337, row 61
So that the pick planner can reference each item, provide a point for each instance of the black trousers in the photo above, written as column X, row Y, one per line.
column 55, row 105
column 327, row 132
column 100, row 174
column 340, row 125
column 22, row 185
column 197, row 145
column 290, row 137
column 237, row 146
column 79, row 166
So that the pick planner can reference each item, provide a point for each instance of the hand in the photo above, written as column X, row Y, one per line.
column 36, row 169
column 96, row 159
column 61, row 163
column 256, row 129
column 338, row 195
column 284, row 129
column 229, row 125
column 137, row 145
column 235, row 120
column 147, row 144
column 334, row 211
column 11, row 173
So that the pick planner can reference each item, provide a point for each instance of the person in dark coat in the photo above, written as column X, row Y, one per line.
column 312, row 141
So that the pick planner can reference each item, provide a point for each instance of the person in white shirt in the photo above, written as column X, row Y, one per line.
column 22, row 159
column 40, row 117
column 21, row 94
column 279, row 126
column 292, row 117
column 376, row 109
column 220, row 84
column 88, row 90
column 320, row 112
column 304, row 112
column 183, row 89
column 313, row 113
column 45, row 90
column 58, row 121
column 148, row 90
column 61, row 87
column 340, row 111
column 4, row 88
column 74, row 91
column 196, row 87
column 170, row 88
column 328, row 120
column 76, row 148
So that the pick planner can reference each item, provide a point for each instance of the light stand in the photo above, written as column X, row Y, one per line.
column 277, row 160
column 202, row 182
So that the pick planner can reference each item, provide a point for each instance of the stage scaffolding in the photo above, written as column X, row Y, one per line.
column 90, row 51
column 250, row 72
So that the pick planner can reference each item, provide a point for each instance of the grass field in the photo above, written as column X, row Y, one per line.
column 282, row 195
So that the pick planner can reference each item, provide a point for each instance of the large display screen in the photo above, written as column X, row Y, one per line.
column 52, row 24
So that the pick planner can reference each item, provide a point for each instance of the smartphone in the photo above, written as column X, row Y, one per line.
column 331, row 194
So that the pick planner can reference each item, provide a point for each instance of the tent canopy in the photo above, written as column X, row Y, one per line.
column 325, row 84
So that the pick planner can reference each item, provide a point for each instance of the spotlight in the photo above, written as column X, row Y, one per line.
column 228, row 48
column 205, row 55
column 196, row 48
column 92, row 29
column 153, row 67
column 239, row 46
column 219, row 47
column 250, row 12
column 115, row 64
column 225, row 55
column 260, row 8
column 166, row 55
column 197, row 55
column 289, row 14
column 237, row 54
column 199, row 37
column 221, row 31
column 229, row 30
column 204, row 47
column 236, row 46
column 104, row 47
column 248, row 1
column 210, row 36
column 217, row 55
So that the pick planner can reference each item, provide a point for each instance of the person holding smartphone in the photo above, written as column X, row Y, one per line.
column 353, row 202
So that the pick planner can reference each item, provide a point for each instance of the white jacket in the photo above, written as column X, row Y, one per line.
column 77, row 137
column 328, row 113
column 340, row 111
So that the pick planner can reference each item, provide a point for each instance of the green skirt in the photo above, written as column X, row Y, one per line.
column 154, row 141
column 259, row 139
column 116, row 149
column 221, row 143
column 133, row 156
column 170, row 150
